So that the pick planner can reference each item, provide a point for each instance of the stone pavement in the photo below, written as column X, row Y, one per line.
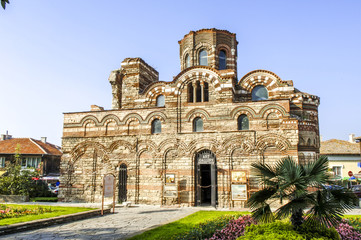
column 124, row 223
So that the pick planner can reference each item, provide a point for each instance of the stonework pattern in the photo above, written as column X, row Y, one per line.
column 97, row 142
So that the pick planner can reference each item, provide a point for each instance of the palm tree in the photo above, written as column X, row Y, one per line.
column 4, row 2
column 301, row 191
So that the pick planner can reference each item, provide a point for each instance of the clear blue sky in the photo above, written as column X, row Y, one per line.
column 56, row 56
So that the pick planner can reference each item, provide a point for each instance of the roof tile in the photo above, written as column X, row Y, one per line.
column 335, row 146
column 28, row 146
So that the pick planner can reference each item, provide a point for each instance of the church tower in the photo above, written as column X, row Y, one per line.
column 209, row 47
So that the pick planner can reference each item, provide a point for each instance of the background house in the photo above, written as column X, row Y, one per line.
column 343, row 156
column 34, row 153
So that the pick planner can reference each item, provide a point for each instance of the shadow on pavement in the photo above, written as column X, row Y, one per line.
column 154, row 211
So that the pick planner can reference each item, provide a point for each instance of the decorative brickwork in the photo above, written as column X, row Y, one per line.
column 99, row 141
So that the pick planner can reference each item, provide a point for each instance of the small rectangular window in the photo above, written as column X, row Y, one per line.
column 31, row 162
column 23, row 163
column 2, row 162
column 337, row 170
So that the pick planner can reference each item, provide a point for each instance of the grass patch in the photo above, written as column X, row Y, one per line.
column 182, row 225
column 351, row 216
column 44, row 199
column 56, row 211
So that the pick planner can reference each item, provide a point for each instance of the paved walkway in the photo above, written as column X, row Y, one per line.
column 124, row 223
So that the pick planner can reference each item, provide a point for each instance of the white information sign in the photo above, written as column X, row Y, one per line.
column 109, row 186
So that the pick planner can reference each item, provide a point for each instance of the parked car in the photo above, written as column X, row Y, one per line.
column 356, row 189
column 53, row 189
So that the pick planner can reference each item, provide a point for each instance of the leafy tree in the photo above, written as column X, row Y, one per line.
column 299, row 187
column 4, row 2
column 16, row 181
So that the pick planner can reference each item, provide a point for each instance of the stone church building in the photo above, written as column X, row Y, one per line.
column 191, row 132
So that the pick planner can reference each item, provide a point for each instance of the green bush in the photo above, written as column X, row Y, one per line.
column 284, row 231
column 207, row 229
column 276, row 231
column 312, row 232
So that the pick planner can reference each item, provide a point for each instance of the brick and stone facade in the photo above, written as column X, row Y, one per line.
column 151, row 139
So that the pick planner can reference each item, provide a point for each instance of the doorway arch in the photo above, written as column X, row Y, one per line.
column 205, row 178
column 122, row 186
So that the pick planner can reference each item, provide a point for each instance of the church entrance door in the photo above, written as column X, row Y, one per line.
column 206, row 179
column 122, row 186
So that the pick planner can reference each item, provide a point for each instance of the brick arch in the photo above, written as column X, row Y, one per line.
column 273, row 140
column 260, row 74
column 154, row 90
column 87, row 126
column 236, row 142
column 119, row 143
column 165, row 153
column 132, row 116
column 160, row 115
column 200, row 46
column 195, row 73
column 110, row 117
column 172, row 143
column 225, row 48
column 89, row 118
column 187, row 50
column 262, row 77
column 122, row 162
column 197, row 150
column 147, row 145
column 206, row 143
column 237, row 111
column 79, row 150
column 266, row 110
column 301, row 141
column 107, row 123
column 198, row 112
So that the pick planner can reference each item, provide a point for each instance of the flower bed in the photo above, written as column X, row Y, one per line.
column 14, row 211
column 245, row 227
column 347, row 231
column 234, row 229
column 207, row 229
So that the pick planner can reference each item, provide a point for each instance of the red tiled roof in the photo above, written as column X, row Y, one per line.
column 28, row 146
column 335, row 146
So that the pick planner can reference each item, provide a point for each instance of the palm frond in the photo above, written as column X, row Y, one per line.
column 345, row 197
column 259, row 198
column 264, row 171
column 317, row 171
column 290, row 207
column 325, row 211
column 263, row 214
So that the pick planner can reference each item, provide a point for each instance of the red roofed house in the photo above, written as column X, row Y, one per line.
column 34, row 153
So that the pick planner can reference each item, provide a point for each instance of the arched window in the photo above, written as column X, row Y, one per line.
column 160, row 101
column 259, row 93
column 190, row 92
column 203, row 58
column 198, row 124
column 222, row 57
column 188, row 61
column 198, row 92
column 156, row 126
column 205, row 92
column 243, row 123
